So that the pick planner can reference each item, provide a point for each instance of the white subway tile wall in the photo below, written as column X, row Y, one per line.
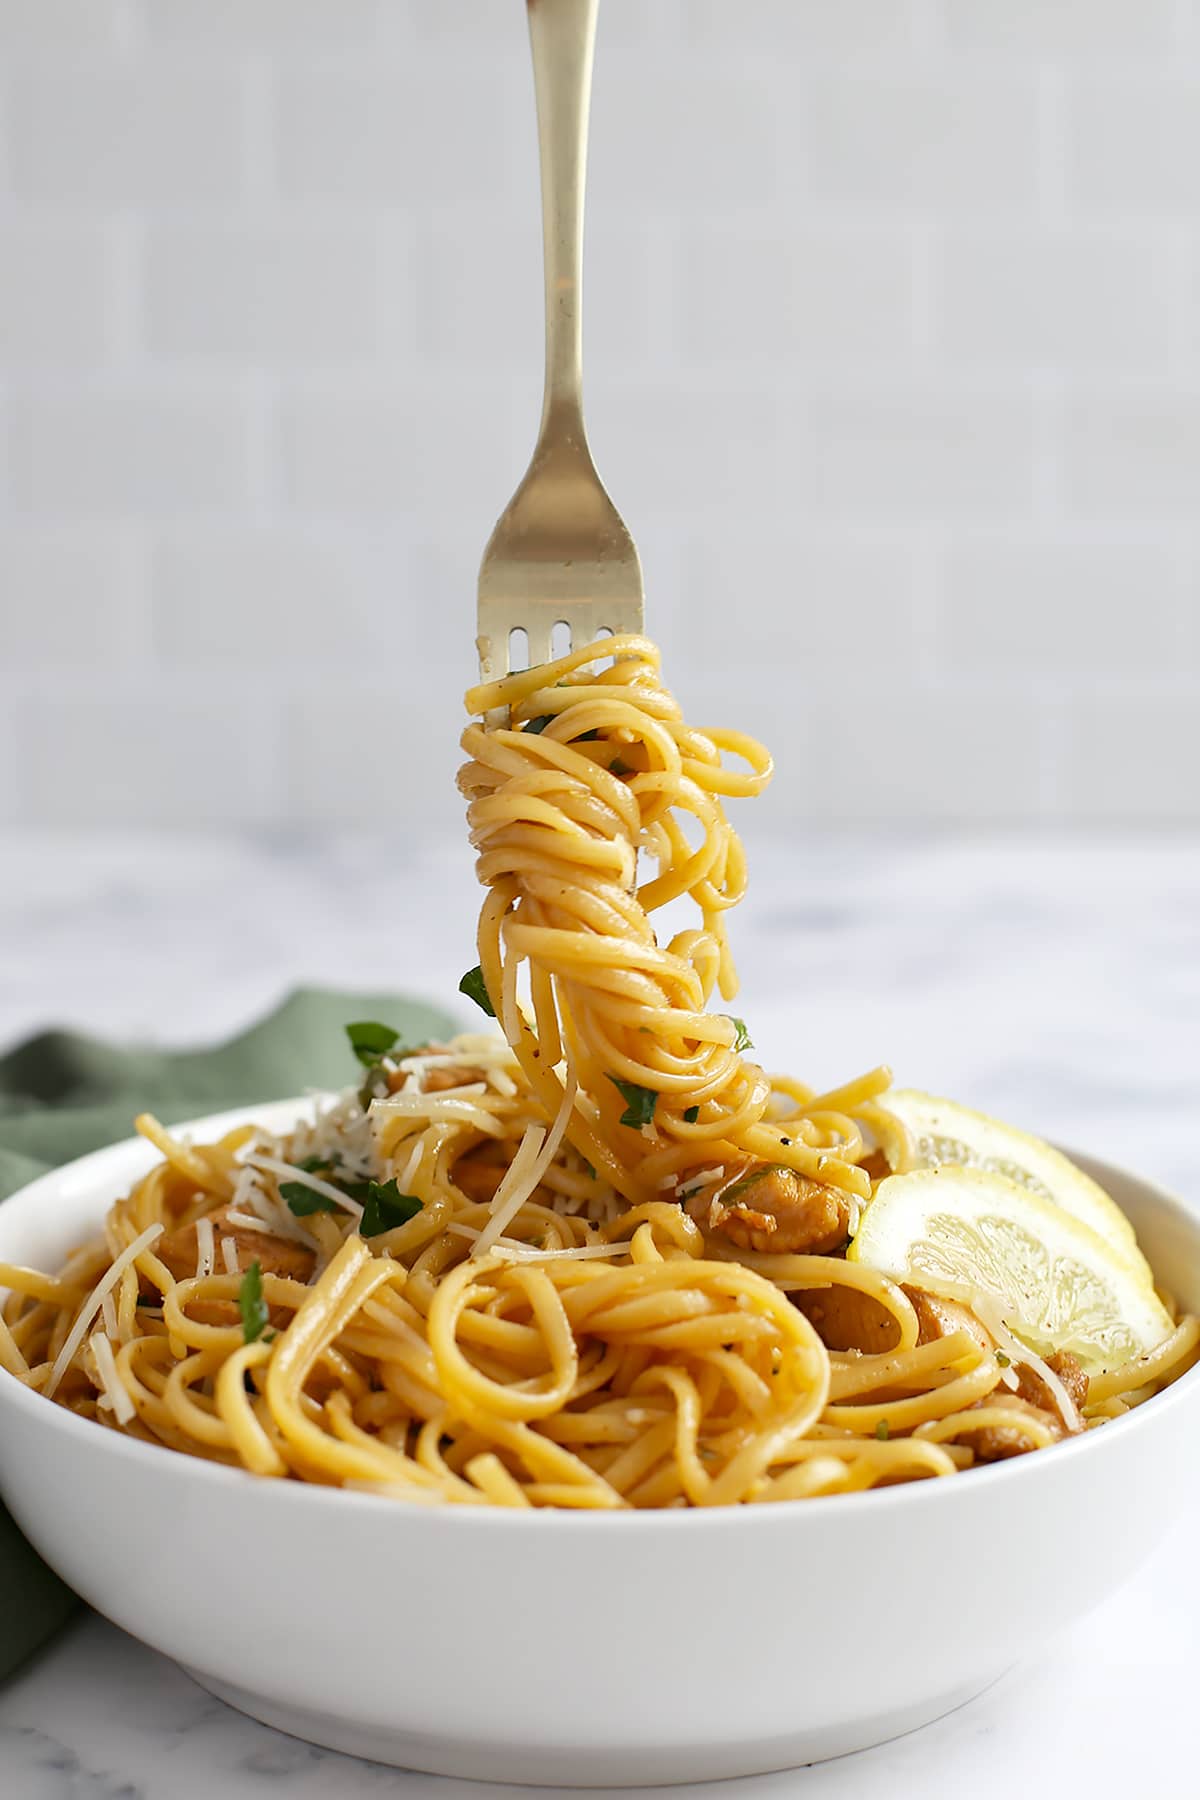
column 893, row 341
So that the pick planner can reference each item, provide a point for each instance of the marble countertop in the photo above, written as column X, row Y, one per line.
column 1054, row 982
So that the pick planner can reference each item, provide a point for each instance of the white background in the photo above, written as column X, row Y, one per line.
column 894, row 369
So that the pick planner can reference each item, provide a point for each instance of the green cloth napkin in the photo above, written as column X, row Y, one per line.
column 62, row 1095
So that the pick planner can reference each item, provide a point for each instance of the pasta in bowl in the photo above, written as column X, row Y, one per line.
column 568, row 1647
column 356, row 1301
column 586, row 1305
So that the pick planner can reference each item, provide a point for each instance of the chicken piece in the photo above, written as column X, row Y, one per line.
column 876, row 1165
column 995, row 1442
column 479, row 1173
column 440, row 1077
column 274, row 1255
column 449, row 1075
column 846, row 1319
column 1070, row 1372
column 769, row 1208
column 939, row 1318
column 1033, row 1397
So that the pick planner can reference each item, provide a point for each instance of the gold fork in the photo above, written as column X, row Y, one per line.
column 560, row 553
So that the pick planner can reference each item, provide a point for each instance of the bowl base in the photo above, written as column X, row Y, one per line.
column 587, row 1765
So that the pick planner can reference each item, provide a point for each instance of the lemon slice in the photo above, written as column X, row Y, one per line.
column 971, row 1235
column 945, row 1133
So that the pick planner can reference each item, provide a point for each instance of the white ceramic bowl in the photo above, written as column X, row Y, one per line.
column 587, row 1649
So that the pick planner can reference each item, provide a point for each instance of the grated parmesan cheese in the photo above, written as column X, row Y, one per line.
column 113, row 1393
column 463, row 1231
column 530, row 1253
column 95, row 1301
column 288, row 1172
column 108, row 1312
column 250, row 1222
column 450, row 1109
column 206, row 1248
column 537, row 1151
column 340, row 1130
column 267, row 1211
column 513, row 1190
column 404, row 1178
column 701, row 1179
column 989, row 1315
column 229, row 1256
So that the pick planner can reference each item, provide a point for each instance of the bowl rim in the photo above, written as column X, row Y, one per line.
column 898, row 1498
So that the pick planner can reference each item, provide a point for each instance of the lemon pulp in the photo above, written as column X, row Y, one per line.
column 973, row 1234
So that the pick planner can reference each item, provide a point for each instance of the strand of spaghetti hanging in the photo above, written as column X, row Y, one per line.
column 593, row 763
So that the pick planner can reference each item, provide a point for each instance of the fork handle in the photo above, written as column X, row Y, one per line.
column 563, row 36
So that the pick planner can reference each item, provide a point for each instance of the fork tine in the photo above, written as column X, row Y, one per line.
column 538, row 635
column 581, row 625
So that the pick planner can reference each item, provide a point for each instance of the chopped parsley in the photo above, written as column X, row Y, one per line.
column 251, row 1304
column 369, row 1040
column 1004, row 1361
column 303, row 1200
column 882, row 1431
column 742, row 1040
column 386, row 1207
column 474, row 987
column 311, row 1164
column 691, row 1115
column 639, row 1102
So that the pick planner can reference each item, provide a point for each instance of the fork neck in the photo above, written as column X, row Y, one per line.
column 563, row 34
